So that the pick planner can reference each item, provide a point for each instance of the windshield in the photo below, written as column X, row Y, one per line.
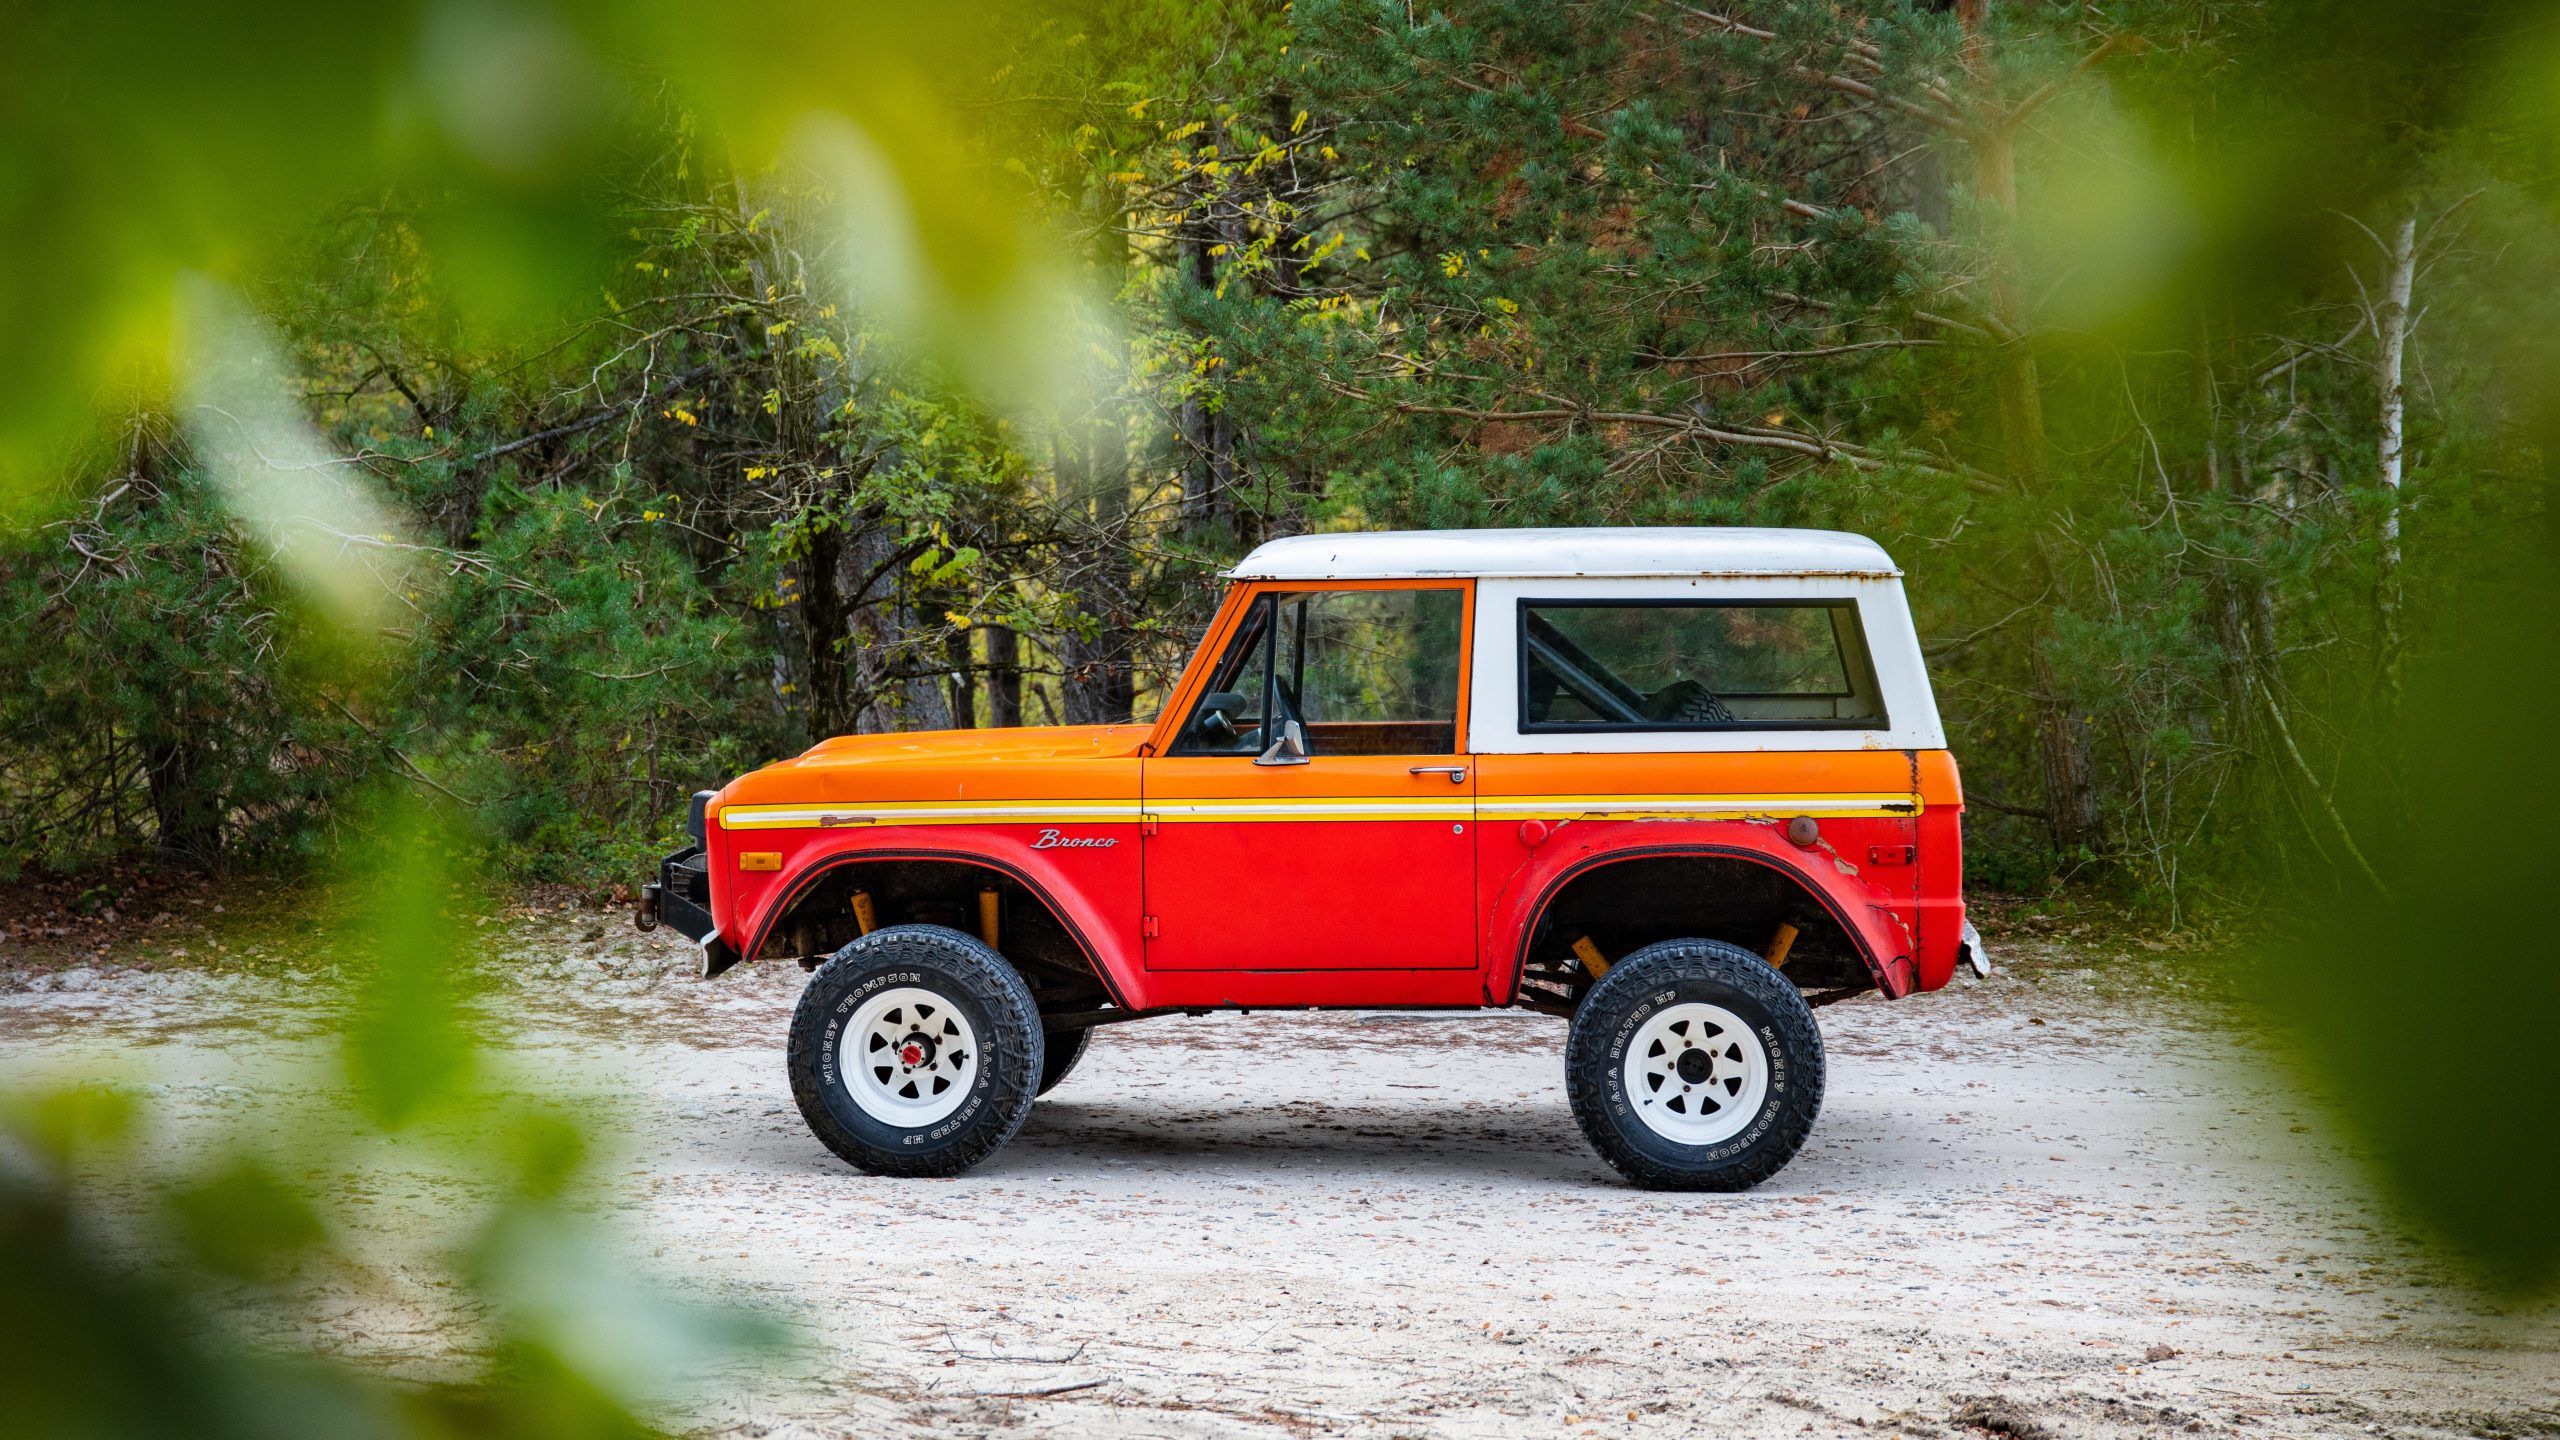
column 1369, row 671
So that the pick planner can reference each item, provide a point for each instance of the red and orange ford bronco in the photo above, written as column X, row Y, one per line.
column 1678, row 786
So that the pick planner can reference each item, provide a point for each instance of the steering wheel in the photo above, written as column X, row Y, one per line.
column 1214, row 725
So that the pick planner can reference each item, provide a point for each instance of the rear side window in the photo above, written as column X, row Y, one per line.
column 1626, row 665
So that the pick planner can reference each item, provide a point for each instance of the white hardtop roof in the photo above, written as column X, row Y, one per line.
column 1543, row 554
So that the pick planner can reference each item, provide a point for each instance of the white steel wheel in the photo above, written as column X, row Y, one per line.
column 1696, row 1074
column 908, row 1057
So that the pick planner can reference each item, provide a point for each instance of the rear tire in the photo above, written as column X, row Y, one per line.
column 1694, row 1065
column 915, row 1051
column 1065, row 1048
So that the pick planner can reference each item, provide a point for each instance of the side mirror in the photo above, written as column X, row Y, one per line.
column 1289, row 749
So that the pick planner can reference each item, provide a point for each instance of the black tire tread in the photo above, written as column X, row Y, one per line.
column 993, row 982
column 1713, row 962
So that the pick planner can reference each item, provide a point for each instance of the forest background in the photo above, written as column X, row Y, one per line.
column 437, row 436
column 2187, row 356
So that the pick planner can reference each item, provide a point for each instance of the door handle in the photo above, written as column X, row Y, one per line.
column 1457, row 773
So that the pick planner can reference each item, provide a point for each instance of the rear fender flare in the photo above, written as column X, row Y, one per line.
column 1883, row 939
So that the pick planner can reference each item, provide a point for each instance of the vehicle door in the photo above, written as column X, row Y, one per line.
column 1313, row 810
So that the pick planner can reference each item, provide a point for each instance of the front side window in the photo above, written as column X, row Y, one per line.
column 1363, row 672
column 1695, row 665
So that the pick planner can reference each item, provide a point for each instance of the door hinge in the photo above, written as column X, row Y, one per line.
column 1147, row 927
column 1146, row 822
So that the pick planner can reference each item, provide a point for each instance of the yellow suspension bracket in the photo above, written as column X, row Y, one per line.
column 1592, row 959
column 863, row 914
column 1779, row 945
column 990, row 916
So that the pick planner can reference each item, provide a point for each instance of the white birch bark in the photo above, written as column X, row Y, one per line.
column 2391, row 327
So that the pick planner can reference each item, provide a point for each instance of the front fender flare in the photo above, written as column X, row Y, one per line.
column 1101, row 944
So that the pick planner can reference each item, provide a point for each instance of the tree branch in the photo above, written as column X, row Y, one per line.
column 1757, row 356
column 1845, row 84
column 1811, row 447
column 594, row 420
column 2037, row 98
column 2319, row 792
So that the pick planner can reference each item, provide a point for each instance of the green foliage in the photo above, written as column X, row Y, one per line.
column 680, row 396
column 1503, row 265
column 580, row 679
column 146, row 143
column 2420, row 1010
column 160, row 686
column 406, row 1042
column 765, row 549
column 156, row 1279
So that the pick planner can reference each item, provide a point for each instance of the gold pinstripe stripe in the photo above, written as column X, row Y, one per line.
column 1177, row 812
column 953, row 812
column 1693, row 807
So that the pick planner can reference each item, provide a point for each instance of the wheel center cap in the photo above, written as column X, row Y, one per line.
column 914, row 1050
column 1694, row 1066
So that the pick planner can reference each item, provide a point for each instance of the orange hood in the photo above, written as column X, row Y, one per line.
column 1047, row 762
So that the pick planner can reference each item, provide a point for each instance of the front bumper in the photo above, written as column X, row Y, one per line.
column 680, row 899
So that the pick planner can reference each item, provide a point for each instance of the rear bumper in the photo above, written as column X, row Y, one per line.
column 1975, row 957
column 680, row 899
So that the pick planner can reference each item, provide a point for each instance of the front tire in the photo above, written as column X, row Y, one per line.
column 1694, row 1065
column 915, row 1051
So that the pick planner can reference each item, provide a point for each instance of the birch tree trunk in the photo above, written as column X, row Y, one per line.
column 2392, row 328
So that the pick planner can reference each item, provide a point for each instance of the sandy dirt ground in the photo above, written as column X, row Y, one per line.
column 2037, row 1206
